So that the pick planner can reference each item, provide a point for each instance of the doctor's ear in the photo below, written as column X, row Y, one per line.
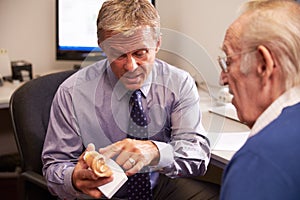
column 158, row 44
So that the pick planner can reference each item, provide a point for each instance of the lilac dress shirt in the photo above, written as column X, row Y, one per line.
column 92, row 106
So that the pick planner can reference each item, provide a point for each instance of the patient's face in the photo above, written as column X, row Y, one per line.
column 244, row 87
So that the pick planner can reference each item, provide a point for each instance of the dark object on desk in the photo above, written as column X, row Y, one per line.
column 77, row 67
column 21, row 70
column 8, row 78
column 30, row 120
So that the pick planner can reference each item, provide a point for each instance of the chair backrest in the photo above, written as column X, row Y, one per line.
column 30, row 108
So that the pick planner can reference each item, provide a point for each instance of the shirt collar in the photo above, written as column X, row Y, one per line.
column 120, row 90
column 289, row 98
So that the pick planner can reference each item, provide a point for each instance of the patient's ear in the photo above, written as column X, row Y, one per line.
column 267, row 66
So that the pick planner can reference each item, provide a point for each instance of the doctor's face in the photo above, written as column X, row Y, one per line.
column 131, row 57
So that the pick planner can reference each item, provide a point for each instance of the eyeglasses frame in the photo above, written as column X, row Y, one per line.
column 222, row 60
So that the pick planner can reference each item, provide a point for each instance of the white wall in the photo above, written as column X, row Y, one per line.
column 202, row 24
column 27, row 31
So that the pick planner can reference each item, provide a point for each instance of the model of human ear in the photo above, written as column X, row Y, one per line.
column 96, row 162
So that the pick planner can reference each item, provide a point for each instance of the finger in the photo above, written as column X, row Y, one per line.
column 131, row 161
column 88, row 183
column 95, row 193
column 91, row 187
column 116, row 147
column 81, row 162
column 129, row 164
column 87, row 175
column 111, row 150
column 123, row 157
column 136, row 168
column 90, row 147
column 103, row 181
column 129, row 153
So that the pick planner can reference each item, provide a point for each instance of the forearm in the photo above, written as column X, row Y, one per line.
column 58, row 156
column 191, row 151
column 59, row 182
column 186, row 155
column 58, row 171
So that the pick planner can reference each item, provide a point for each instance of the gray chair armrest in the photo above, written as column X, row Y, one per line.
column 35, row 178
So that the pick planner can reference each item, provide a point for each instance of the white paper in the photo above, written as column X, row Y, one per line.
column 227, row 141
column 5, row 66
column 227, row 110
column 120, row 178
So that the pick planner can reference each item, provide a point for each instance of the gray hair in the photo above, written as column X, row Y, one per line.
column 119, row 16
column 276, row 25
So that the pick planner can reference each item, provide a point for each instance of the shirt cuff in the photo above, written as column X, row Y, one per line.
column 166, row 154
column 69, row 185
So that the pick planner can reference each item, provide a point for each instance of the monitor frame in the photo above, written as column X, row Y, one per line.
column 73, row 52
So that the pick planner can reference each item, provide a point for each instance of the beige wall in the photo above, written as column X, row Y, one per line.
column 27, row 31
column 203, row 24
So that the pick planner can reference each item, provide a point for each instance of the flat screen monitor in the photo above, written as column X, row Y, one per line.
column 76, row 29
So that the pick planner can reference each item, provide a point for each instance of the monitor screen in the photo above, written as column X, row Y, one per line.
column 76, row 29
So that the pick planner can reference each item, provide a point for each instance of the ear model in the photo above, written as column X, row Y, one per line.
column 96, row 162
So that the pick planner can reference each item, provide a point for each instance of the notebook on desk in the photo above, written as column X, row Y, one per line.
column 227, row 110
column 227, row 141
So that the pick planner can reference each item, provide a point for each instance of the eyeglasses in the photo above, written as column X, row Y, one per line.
column 223, row 60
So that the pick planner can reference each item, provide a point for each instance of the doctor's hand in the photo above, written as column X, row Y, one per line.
column 85, row 180
column 132, row 154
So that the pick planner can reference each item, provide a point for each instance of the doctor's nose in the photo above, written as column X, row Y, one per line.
column 131, row 63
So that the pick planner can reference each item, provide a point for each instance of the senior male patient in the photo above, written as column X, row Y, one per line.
column 262, row 69
column 139, row 110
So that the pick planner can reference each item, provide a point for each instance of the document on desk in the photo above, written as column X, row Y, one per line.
column 227, row 110
column 227, row 141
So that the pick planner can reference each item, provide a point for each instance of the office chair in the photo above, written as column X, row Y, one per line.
column 29, row 109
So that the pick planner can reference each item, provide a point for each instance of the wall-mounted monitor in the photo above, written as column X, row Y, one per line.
column 76, row 29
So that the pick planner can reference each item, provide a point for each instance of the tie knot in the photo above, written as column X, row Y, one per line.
column 136, row 98
column 137, row 114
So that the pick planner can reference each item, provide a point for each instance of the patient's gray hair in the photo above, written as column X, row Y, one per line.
column 276, row 25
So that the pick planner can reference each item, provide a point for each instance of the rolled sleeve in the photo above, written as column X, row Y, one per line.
column 166, row 154
column 187, row 153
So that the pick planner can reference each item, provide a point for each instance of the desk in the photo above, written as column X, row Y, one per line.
column 6, row 91
column 218, row 157
column 216, row 123
column 7, row 141
column 211, row 122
